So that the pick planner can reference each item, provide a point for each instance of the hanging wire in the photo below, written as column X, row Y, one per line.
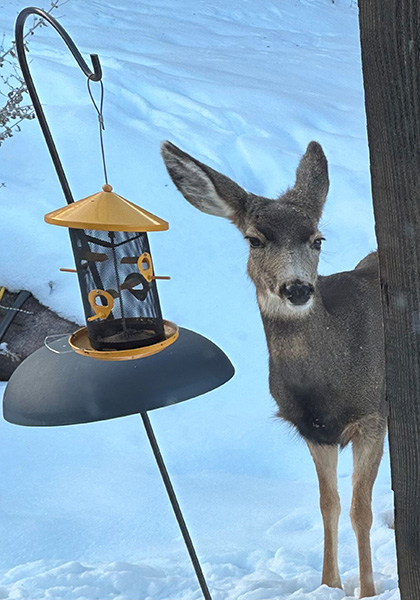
column 58, row 343
column 101, row 121
column 12, row 308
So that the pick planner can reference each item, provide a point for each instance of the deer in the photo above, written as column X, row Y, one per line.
column 324, row 333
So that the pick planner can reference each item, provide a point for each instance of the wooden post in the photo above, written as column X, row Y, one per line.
column 390, row 41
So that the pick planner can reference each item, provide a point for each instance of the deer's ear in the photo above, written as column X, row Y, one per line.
column 312, row 181
column 205, row 188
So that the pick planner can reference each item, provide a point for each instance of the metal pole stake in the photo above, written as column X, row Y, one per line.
column 175, row 505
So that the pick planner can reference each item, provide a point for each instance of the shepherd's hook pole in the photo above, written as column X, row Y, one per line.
column 94, row 75
column 175, row 505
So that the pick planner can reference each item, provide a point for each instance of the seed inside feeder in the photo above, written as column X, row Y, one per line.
column 132, row 333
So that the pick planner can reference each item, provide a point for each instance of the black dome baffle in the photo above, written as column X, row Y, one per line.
column 50, row 389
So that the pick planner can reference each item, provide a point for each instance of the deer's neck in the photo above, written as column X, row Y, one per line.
column 293, row 336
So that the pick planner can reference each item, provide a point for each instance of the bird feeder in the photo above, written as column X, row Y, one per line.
column 116, row 277
column 123, row 317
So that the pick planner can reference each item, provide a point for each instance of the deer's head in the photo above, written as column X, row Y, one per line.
column 283, row 235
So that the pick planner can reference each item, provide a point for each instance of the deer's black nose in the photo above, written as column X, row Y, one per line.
column 299, row 293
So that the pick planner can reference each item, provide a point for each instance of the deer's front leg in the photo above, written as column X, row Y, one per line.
column 325, row 459
column 367, row 454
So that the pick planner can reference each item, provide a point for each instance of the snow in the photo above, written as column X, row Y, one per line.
column 243, row 86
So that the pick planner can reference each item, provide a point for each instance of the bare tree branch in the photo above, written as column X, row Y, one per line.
column 12, row 84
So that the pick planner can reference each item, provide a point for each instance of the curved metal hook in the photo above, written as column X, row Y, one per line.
column 94, row 75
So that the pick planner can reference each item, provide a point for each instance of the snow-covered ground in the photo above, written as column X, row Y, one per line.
column 243, row 86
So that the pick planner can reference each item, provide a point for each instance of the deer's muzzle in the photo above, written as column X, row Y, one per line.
column 298, row 293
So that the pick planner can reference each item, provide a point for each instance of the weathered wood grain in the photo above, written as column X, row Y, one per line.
column 390, row 43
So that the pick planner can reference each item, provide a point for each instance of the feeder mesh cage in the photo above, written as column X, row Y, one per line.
column 108, row 261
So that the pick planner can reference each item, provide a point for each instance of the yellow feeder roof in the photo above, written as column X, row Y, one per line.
column 106, row 211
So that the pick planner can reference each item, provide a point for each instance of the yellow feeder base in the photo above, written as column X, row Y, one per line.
column 80, row 343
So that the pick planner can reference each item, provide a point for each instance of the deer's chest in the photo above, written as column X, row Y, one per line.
column 314, row 388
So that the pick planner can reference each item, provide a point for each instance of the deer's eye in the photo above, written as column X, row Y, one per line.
column 254, row 242
column 316, row 244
